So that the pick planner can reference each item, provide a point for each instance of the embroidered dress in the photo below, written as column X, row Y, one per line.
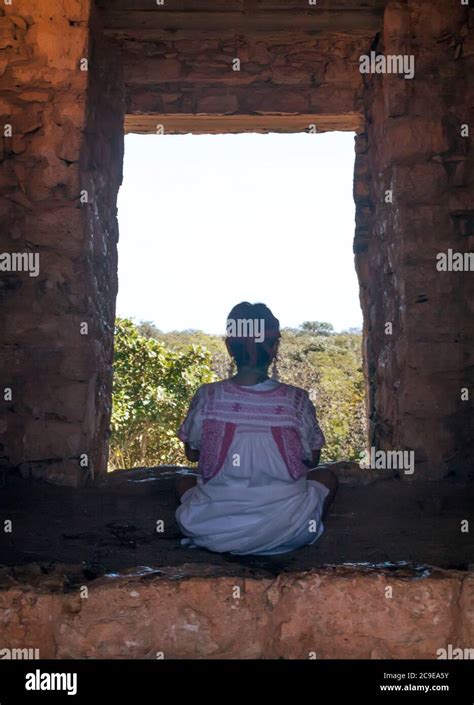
column 252, row 495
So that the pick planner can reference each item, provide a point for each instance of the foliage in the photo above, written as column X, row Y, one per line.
column 317, row 327
column 152, row 389
column 330, row 369
column 156, row 374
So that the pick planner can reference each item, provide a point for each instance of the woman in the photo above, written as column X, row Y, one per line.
column 257, row 443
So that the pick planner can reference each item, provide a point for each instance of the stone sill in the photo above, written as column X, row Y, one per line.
column 200, row 611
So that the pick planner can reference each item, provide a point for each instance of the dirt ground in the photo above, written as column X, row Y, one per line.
column 113, row 528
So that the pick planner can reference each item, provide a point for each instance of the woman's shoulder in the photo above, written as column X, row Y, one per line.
column 295, row 391
column 289, row 389
column 210, row 388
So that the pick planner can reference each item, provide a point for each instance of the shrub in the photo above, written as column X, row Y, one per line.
column 151, row 391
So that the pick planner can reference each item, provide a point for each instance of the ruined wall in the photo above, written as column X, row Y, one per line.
column 58, row 376
column 102, row 160
column 60, row 168
column 278, row 73
column 417, row 151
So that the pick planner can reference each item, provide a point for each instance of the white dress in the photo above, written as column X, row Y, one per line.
column 255, row 506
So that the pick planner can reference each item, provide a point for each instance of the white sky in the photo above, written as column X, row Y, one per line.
column 207, row 221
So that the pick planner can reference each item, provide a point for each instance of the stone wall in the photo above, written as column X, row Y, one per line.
column 60, row 170
column 102, row 160
column 54, row 419
column 417, row 373
column 281, row 73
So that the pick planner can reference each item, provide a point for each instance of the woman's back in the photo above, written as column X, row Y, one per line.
column 252, row 495
column 254, row 439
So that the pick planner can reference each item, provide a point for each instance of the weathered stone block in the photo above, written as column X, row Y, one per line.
column 224, row 104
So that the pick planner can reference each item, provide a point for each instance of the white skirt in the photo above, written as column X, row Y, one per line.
column 282, row 522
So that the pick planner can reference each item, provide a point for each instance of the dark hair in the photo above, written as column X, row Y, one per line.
column 245, row 349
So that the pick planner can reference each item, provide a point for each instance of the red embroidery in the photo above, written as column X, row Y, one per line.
column 216, row 439
column 289, row 444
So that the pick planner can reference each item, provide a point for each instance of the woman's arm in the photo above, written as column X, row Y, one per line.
column 312, row 433
column 190, row 430
column 314, row 462
column 191, row 454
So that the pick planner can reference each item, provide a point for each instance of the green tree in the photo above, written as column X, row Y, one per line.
column 330, row 369
column 148, row 330
column 151, row 392
column 317, row 328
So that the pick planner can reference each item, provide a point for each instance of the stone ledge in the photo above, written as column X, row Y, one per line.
column 196, row 611
column 181, row 124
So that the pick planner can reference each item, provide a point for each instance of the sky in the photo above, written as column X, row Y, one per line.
column 207, row 221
